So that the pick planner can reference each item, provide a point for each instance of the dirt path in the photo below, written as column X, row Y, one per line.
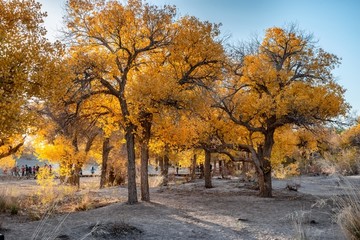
column 188, row 211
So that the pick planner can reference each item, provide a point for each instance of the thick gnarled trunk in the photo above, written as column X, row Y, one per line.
column 264, row 169
column 264, row 178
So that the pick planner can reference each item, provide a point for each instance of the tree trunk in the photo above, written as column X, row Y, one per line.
column 165, row 171
column 222, row 168
column 214, row 169
column 264, row 173
column 130, row 148
column 146, row 120
column 77, row 175
column 105, row 156
column 111, row 177
column 161, row 163
column 265, row 182
column 130, row 141
column 193, row 168
column 145, row 194
column 207, row 173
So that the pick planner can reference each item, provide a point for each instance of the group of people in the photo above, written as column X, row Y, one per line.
column 27, row 171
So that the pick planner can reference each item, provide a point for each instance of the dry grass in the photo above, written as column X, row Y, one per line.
column 40, row 200
column 348, row 216
column 8, row 202
column 300, row 218
column 155, row 181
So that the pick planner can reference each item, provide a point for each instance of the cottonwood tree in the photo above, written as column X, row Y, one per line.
column 173, row 83
column 285, row 79
column 26, row 60
column 67, row 137
column 125, row 36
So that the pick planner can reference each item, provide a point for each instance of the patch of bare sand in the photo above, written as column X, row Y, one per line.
column 230, row 210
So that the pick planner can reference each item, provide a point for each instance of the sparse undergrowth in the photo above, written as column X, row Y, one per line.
column 348, row 216
column 8, row 204
column 51, row 199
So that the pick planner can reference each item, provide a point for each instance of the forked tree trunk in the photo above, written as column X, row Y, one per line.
column 193, row 167
column 145, row 121
column 207, row 172
column 130, row 148
column 105, row 157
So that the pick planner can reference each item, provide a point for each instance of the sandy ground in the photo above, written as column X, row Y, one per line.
column 230, row 210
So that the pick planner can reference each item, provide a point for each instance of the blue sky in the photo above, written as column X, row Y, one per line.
column 334, row 23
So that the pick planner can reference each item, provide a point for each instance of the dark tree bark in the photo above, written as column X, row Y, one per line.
column 146, row 121
column 75, row 178
column 77, row 175
column 161, row 164
column 207, row 172
column 193, row 167
column 214, row 169
column 165, row 171
column 105, row 157
column 130, row 148
column 111, row 176
column 145, row 194
column 222, row 168
column 264, row 168
column 11, row 150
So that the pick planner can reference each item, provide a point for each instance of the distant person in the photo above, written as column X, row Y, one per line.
column 92, row 170
column 22, row 170
column 50, row 168
column 17, row 171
